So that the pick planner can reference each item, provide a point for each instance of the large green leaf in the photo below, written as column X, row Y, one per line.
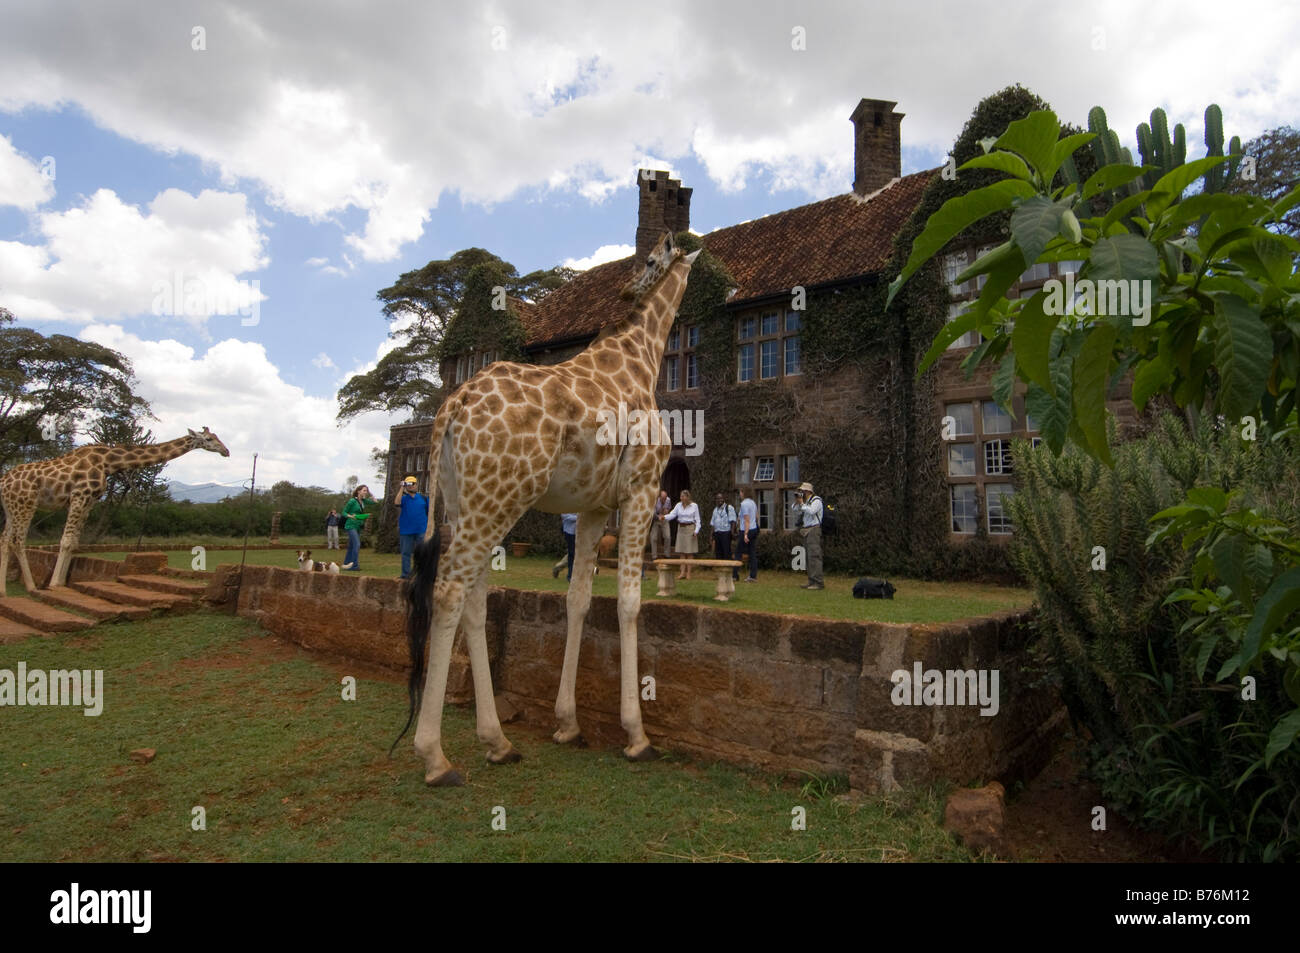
column 1088, row 394
column 1051, row 408
column 1004, row 383
column 1031, row 340
column 1282, row 736
column 1034, row 223
column 1150, row 378
column 1035, row 138
column 1007, row 162
column 1065, row 148
column 1124, row 257
column 1110, row 177
column 967, row 321
column 1243, row 353
column 955, row 216
column 1171, row 185
column 1273, row 608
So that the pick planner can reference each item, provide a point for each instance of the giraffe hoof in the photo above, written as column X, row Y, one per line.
column 510, row 757
column 448, row 779
column 648, row 753
column 573, row 741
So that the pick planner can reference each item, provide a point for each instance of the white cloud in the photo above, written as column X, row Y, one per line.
column 237, row 391
column 601, row 255
column 322, row 360
column 331, row 115
column 105, row 259
column 22, row 183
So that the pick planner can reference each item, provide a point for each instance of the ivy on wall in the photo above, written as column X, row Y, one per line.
column 477, row 324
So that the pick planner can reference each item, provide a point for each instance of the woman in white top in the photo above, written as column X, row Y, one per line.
column 687, row 515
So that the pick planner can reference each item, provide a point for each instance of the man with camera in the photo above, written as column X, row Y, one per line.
column 808, row 508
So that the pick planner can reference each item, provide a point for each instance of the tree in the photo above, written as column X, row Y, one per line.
column 350, row 484
column 425, row 301
column 1277, row 171
column 379, row 460
column 52, row 388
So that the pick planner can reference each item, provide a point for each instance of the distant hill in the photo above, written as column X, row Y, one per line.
column 202, row 492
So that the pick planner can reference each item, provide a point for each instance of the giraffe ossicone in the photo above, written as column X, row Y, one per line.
column 521, row 436
column 75, row 481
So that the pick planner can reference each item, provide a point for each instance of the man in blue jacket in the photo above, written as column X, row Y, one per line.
column 413, row 522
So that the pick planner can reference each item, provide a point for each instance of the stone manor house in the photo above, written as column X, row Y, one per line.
column 840, row 242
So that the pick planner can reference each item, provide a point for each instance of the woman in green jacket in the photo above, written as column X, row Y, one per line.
column 354, row 517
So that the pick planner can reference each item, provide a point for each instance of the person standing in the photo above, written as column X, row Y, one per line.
column 687, row 515
column 660, row 531
column 412, row 522
column 723, row 524
column 809, row 510
column 354, row 517
column 332, row 530
column 748, row 530
column 569, row 527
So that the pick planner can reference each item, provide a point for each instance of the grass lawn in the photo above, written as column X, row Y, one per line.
column 256, row 733
column 776, row 591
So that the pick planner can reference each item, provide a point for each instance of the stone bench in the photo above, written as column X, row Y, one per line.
column 723, row 568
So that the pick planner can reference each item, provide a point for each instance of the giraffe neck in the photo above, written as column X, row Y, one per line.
column 130, row 458
column 658, row 310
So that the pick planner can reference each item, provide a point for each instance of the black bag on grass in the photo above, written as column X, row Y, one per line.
column 867, row 588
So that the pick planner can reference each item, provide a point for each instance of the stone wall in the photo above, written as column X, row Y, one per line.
column 783, row 692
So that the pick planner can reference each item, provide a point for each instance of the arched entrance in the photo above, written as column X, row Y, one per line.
column 677, row 477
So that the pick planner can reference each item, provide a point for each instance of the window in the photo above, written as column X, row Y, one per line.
column 961, row 459
column 765, row 470
column 485, row 360
column 790, row 469
column 995, row 495
column 997, row 457
column 954, row 265
column 1030, row 425
column 963, row 417
column 965, row 510
column 747, row 326
column 971, row 337
column 769, row 323
column 742, row 471
column 692, row 372
column 791, row 356
column 693, row 336
column 791, row 519
column 1066, row 267
column 410, row 462
column 460, row 369
column 674, row 369
column 1037, row 272
column 1035, row 441
column 674, row 339
column 793, row 321
column 996, row 420
column 767, row 365
column 764, row 500
column 745, row 363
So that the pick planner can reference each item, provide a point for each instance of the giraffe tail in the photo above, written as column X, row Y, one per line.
column 419, row 588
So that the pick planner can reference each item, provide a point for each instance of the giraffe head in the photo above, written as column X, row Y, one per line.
column 655, row 267
column 207, row 440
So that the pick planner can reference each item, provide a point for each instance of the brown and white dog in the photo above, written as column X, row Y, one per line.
column 306, row 564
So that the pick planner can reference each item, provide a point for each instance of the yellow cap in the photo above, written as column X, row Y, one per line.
column 410, row 479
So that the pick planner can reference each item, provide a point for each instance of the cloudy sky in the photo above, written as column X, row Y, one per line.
column 297, row 157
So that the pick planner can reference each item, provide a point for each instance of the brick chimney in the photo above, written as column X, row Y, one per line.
column 877, row 145
column 664, row 206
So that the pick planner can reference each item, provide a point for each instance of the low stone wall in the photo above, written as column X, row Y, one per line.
column 165, row 547
column 783, row 692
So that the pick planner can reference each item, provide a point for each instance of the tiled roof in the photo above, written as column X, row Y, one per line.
column 837, row 239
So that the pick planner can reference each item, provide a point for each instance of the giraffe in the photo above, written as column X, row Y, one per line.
column 517, row 436
column 75, row 480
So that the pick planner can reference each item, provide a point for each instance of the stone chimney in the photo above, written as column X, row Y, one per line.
column 877, row 145
column 664, row 206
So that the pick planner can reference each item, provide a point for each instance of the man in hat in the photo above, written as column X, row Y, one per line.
column 808, row 509
column 413, row 522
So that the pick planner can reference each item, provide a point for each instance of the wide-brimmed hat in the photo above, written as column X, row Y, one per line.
column 805, row 487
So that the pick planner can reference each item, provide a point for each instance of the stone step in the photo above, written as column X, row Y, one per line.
column 177, row 587
column 11, row 631
column 117, row 592
column 40, row 616
column 66, row 598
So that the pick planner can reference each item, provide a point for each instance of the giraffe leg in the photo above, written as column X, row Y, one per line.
column 5, row 546
column 474, row 625
column 77, row 509
column 631, row 543
column 577, row 602
column 449, row 600
column 16, row 531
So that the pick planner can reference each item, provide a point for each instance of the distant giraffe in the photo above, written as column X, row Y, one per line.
column 75, row 480
column 517, row 436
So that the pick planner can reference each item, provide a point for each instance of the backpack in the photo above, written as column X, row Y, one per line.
column 867, row 588
column 828, row 518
